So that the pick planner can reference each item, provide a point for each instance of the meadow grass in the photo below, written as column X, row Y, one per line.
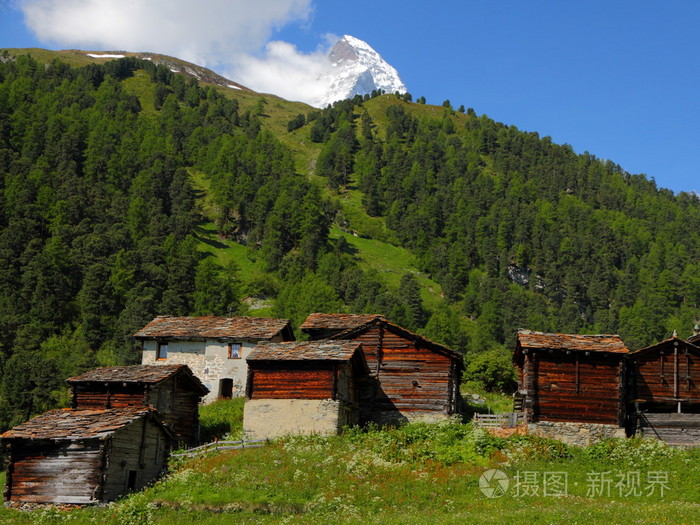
column 222, row 419
column 418, row 473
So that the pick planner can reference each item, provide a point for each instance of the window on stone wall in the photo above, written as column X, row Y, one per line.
column 234, row 350
column 162, row 351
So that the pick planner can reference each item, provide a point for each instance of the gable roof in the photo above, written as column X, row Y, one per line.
column 322, row 350
column 149, row 374
column 211, row 327
column 664, row 343
column 424, row 342
column 589, row 343
column 321, row 321
column 69, row 424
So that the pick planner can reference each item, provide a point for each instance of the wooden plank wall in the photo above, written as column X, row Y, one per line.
column 57, row 473
column 404, row 378
column 674, row 429
column 653, row 376
column 134, row 448
column 100, row 395
column 178, row 405
column 287, row 381
column 597, row 398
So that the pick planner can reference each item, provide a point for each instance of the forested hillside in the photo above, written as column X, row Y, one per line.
column 101, row 227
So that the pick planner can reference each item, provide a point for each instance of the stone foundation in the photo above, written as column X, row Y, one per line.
column 273, row 418
column 579, row 434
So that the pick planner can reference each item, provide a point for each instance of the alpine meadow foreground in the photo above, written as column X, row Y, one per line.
column 418, row 473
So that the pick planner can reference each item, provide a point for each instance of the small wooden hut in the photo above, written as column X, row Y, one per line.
column 663, row 392
column 84, row 456
column 571, row 378
column 411, row 377
column 302, row 387
column 171, row 389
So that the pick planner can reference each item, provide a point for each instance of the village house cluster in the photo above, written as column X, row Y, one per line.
column 354, row 369
column 581, row 388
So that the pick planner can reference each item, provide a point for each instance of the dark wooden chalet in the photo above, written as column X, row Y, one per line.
column 410, row 377
column 171, row 389
column 311, row 370
column 305, row 370
column 663, row 391
column 84, row 456
column 571, row 378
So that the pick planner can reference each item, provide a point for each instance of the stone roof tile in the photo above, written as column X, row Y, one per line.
column 211, row 327
column 591, row 343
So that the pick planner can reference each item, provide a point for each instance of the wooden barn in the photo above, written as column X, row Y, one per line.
column 410, row 377
column 84, row 456
column 571, row 378
column 215, row 348
column 302, row 387
column 173, row 390
column 663, row 391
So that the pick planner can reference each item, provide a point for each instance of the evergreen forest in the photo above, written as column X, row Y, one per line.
column 129, row 191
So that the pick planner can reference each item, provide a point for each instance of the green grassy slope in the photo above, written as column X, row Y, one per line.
column 422, row 474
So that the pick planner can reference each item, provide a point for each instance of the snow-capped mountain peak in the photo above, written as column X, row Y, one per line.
column 356, row 68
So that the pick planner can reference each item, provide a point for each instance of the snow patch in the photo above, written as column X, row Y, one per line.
column 94, row 55
column 233, row 87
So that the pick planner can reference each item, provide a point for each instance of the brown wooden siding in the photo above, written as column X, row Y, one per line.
column 587, row 392
column 291, row 381
column 99, row 395
column 173, row 398
column 654, row 377
column 404, row 377
column 49, row 472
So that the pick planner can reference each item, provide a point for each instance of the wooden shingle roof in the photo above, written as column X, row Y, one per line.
column 673, row 341
column 336, row 321
column 69, row 424
column 304, row 351
column 211, row 327
column 590, row 343
column 149, row 374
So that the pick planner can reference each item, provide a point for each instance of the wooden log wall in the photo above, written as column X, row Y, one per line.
column 179, row 406
column 664, row 376
column 141, row 447
column 403, row 377
column 56, row 473
column 285, row 380
column 586, row 391
column 108, row 395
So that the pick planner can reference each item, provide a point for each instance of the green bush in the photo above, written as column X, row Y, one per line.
column 493, row 369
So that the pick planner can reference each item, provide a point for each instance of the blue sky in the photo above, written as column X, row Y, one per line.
column 618, row 79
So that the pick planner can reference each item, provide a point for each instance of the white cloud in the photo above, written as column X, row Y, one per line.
column 286, row 72
column 230, row 36
column 208, row 32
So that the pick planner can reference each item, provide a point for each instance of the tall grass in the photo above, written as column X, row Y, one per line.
column 222, row 419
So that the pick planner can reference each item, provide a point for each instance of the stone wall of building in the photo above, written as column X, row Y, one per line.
column 580, row 434
column 273, row 418
column 208, row 360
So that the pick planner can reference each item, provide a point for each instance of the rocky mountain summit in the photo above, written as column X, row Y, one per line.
column 356, row 69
